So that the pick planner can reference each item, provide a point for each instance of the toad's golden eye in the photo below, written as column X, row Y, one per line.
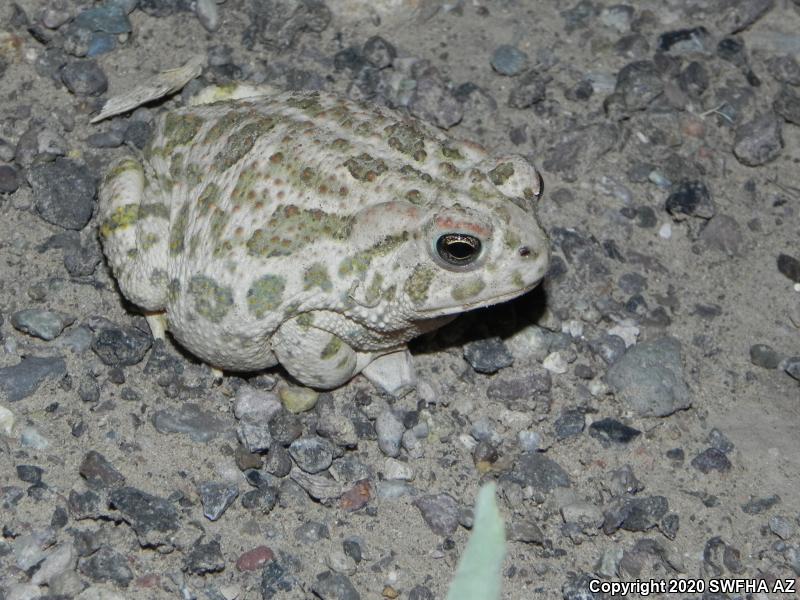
column 458, row 249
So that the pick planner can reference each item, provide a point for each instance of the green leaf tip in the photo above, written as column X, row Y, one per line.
column 479, row 573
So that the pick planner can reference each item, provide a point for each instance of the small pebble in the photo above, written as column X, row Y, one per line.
column 298, row 399
column 488, row 355
column 690, row 198
column 216, row 498
column 792, row 367
column 757, row 506
column 120, row 346
column 611, row 430
column 334, row 586
column 781, row 526
column 44, row 324
column 390, row 430
column 84, row 78
column 555, row 363
column 569, row 424
column 204, row 557
column 254, row 559
column 710, row 460
column 764, row 356
column 378, row 52
column 758, row 141
column 789, row 267
column 312, row 454
column 440, row 512
column 23, row 379
column 63, row 192
column 509, row 60
column 9, row 180
column 107, row 565
column 638, row 84
column 29, row 473
column 200, row 425
column 208, row 14
column 7, row 421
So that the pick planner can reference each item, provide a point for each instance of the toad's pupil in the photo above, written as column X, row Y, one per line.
column 458, row 248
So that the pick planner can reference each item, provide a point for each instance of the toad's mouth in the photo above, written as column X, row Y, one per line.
column 464, row 307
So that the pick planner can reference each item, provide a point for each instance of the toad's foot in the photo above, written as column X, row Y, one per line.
column 158, row 324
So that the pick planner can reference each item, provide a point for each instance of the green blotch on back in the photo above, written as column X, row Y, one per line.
column 225, row 124
column 516, row 279
column 219, row 219
column 241, row 141
column 373, row 293
column 122, row 217
column 246, row 182
column 173, row 290
column 449, row 170
column 416, row 287
column 305, row 320
column 468, row 289
column 265, row 295
column 158, row 278
column 410, row 171
column 365, row 167
column 309, row 104
column 332, row 348
column 291, row 228
column 408, row 139
column 122, row 167
column 180, row 129
column 156, row 210
column 211, row 300
column 177, row 235
column 359, row 262
column 452, row 153
column 317, row 276
column 501, row 173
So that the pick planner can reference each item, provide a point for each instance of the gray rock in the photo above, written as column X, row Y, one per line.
column 758, row 141
column 635, row 514
column 434, row 103
column 108, row 18
column 279, row 25
column 29, row 473
column 784, row 69
column 532, row 88
column 543, row 474
column 690, row 198
column 526, row 532
column 488, row 355
column 623, row 481
column 578, row 586
column 59, row 560
column 285, row 427
column 254, row 435
column 84, row 505
column 787, row 105
column 84, row 78
column 638, row 84
column 737, row 15
column 312, row 454
column 119, row 346
column 440, row 512
column 789, row 267
column 216, row 498
column 792, row 367
column 334, row 586
column 719, row 440
column 420, row 592
column 608, row 347
column 509, row 60
column 569, row 424
column 23, row 379
column 198, row 424
column 208, row 14
column 711, row 459
column 107, row 565
column 277, row 462
column 277, row 580
column 390, row 430
column 757, row 506
column 669, row 525
column 612, row 430
column 63, row 192
column 82, row 260
column 29, row 549
column 106, row 139
column 153, row 519
column 99, row 472
column 519, row 388
column 378, row 52
column 262, row 499
column 204, row 558
column 44, row 324
column 9, row 180
column 649, row 378
column 764, row 356
column 138, row 133
column 781, row 526
column 724, row 234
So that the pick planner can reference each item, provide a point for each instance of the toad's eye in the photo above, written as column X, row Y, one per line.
column 458, row 249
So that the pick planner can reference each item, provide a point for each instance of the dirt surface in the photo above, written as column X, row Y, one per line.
column 668, row 138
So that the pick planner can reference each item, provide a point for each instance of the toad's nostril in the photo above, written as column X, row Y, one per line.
column 524, row 251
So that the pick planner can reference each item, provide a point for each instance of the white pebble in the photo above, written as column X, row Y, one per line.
column 555, row 363
column 7, row 421
column 626, row 330
column 665, row 231
column 33, row 439
column 398, row 470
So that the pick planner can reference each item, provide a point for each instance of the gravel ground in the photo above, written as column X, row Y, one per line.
column 639, row 411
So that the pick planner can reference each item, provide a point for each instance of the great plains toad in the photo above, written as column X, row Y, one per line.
column 315, row 232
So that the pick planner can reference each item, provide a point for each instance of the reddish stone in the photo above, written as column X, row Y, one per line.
column 254, row 559
column 356, row 497
column 149, row 580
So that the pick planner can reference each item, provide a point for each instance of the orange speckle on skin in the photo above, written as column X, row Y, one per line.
column 451, row 223
column 239, row 231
